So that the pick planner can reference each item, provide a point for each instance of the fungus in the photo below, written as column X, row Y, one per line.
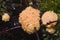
column 48, row 17
column 50, row 30
column 29, row 19
column 51, row 18
column 5, row 17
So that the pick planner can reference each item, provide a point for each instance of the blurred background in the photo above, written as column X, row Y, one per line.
column 14, row 7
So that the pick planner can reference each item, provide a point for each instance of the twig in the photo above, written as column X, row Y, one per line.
column 53, row 22
column 4, row 31
column 37, row 34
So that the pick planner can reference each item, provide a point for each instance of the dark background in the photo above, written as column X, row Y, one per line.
column 14, row 7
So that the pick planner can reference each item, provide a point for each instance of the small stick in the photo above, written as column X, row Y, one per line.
column 36, row 34
column 4, row 31
column 53, row 22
